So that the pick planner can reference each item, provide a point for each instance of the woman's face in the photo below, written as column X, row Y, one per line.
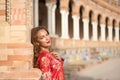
column 43, row 38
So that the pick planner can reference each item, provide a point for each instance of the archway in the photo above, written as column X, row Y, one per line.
column 42, row 13
column 106, row 27
column 81, row 22
column 58, row 19
column 99, row 29
column 113, row 29
column 70, row 20
column 90, row 25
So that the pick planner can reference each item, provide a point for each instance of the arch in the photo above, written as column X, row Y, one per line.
column 82, row 9
column 99, row 22
column 119, row 25
column 106, row 27
column 113, row 29
column 43, row 13
column 81, row 22
column 90, row 24
column 58, row 18
column 42, row 1
column 70, row 20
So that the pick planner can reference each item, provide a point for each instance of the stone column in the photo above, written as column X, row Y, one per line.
column 117, row 34
column 35, row 13
column 86, row 29
column 102, row 32
column 51, row 18
column 75, row 27
column 64, row 24
column 95, row 31
column 95, row 27
column 110, row 33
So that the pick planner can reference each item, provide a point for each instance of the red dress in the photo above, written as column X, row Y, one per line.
column 51, row 67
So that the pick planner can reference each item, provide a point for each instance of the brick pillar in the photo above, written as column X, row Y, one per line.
column 16, row 51
column 2, row 10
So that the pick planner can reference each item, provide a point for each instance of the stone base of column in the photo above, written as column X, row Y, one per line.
column 64, row 37
column 76, row 38
column 54, row 36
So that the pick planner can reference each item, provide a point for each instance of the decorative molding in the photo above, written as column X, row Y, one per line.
column 29, row 13
column 8, row 5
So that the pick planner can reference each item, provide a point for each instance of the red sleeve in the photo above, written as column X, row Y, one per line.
column 44, row 64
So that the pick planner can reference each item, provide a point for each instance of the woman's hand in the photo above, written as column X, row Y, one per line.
column 56, row 55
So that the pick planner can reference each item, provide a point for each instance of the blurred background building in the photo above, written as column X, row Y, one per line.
column 81, row 30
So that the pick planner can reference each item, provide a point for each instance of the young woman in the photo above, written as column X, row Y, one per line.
column 50, row 63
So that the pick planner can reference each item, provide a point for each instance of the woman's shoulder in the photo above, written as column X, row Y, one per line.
column 44, row 54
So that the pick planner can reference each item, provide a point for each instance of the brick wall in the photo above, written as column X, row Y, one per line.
column 2, row 10
column 16, row 55
column 16, row 62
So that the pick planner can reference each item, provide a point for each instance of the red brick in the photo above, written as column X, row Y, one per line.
column 2, row 12
column 20, row 57
column 19, row 45
column 15, row 45
column 23, row 51
column 5, row 63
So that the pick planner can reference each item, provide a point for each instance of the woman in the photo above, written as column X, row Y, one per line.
column 50, row 63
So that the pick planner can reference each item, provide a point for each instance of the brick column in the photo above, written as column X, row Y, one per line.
column 16, row 54
column 2, row 10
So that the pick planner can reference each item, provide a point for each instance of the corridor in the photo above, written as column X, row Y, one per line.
column 108, row 70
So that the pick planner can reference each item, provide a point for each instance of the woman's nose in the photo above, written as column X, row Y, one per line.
column 47, row 37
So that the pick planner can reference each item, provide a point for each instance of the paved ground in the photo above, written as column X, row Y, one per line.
column 108, row 70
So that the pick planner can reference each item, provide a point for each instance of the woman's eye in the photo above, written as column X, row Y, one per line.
column 41, row 37
column 47, row 34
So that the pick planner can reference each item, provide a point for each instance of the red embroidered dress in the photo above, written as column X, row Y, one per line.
column 51, row 67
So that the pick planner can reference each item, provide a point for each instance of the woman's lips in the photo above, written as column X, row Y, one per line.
column 48, row 42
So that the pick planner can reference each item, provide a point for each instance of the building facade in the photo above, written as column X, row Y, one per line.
column 77, row 27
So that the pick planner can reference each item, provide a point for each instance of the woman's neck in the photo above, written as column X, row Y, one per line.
column 44, row 49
